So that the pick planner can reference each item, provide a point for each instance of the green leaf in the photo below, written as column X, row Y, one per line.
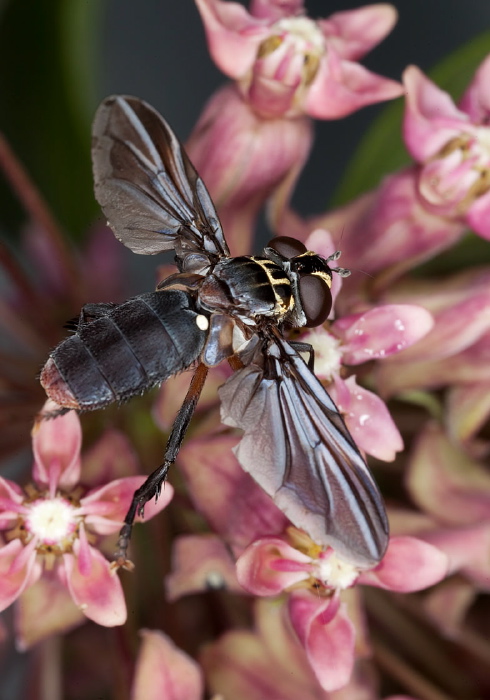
column 381, row 150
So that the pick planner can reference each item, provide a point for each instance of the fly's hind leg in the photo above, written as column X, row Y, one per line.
column 153, row 485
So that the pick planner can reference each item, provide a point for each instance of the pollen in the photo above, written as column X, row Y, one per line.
column 52, row 521
column 328, row 352
column 335, row 573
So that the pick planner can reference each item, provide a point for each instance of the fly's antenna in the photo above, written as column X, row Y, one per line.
column 342, row 271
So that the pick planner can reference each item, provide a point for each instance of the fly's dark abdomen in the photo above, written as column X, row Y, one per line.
column 254, row 286
column 125, row 352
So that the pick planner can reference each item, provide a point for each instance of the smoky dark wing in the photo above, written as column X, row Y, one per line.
column 297, row 447
column 146, row 185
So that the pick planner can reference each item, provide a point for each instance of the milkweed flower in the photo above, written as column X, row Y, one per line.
column 254, row 136
column 288, row 64
column 243, row 158
column 315, row 577
column 425, row 208
column 351, row 340
column 52, row 527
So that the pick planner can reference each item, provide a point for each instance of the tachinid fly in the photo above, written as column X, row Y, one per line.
column 295, row 443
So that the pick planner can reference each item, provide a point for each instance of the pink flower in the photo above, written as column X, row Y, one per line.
column 287, row 64
column 244, row 158
column 374, row 334
column 452, row 147
column 51, row 527
column 164, row 671
column 315, row 577
column 268, row 662
column 456, row 350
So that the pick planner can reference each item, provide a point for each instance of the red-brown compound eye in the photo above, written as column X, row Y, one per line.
column 316, row 299
column 287, row 247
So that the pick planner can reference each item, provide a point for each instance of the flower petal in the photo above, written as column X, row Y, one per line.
column 431, row 117
column 408, row 565
column 110, row 458
column 233, row 35
column 200, row 563
column 236, row 508
column 164, row 671
column 381, row 331
column 56, row 443
column 476, row 100
column 17, row 570
column 97, row 592
column 105, row 508
column 444, row 481
column 270, row 565
column 367, row 418
column 478, row 215
column 342, row 87
column 44, row 609
column 328, row 641
column 355, row 32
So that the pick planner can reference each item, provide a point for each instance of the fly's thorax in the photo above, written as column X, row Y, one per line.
column 248, row 287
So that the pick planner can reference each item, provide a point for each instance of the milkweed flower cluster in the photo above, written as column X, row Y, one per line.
column 228, row 599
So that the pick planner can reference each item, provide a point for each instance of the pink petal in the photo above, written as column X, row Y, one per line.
column 270, row 565
column 243, row 158
column 476, row 100
column 229, row 499
column 200, row 563
column 163, row 671
column 110, row 458
column 16, row 571
column 457, row 326
column 342, row 87
column 448, row 604
column 97, row 592
column 273, row 10
column 478, row 215
column 56, row 443
column 105, row 508
column 408, row 565
column 11, row 498
column 445, row 482
column 381, row 331
column 431, row 117
column 468, row 409
column 466, row 549
column 233, row 35
column 329, row 645
column 44, row 609
column 368, row 419
column 355, row 32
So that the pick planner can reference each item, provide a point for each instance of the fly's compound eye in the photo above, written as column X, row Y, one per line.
column 287, row 247
column 316, row 299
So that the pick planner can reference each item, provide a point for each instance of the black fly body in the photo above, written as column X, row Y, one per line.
column 295, row 442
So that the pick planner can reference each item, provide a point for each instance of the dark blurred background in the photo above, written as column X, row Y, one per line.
column 60, row 58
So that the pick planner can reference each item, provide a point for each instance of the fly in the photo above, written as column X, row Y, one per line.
column 295, row 443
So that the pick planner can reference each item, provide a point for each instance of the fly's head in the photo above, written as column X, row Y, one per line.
column 310, row 276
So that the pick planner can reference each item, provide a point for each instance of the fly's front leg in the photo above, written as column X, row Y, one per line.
column 153, row 485
column 307, row 348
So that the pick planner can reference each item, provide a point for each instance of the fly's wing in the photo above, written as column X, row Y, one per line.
column 298, row 449
column 146, row 185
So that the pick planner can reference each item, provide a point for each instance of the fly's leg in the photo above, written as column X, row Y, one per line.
column 306, row 348
column 153, row 485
